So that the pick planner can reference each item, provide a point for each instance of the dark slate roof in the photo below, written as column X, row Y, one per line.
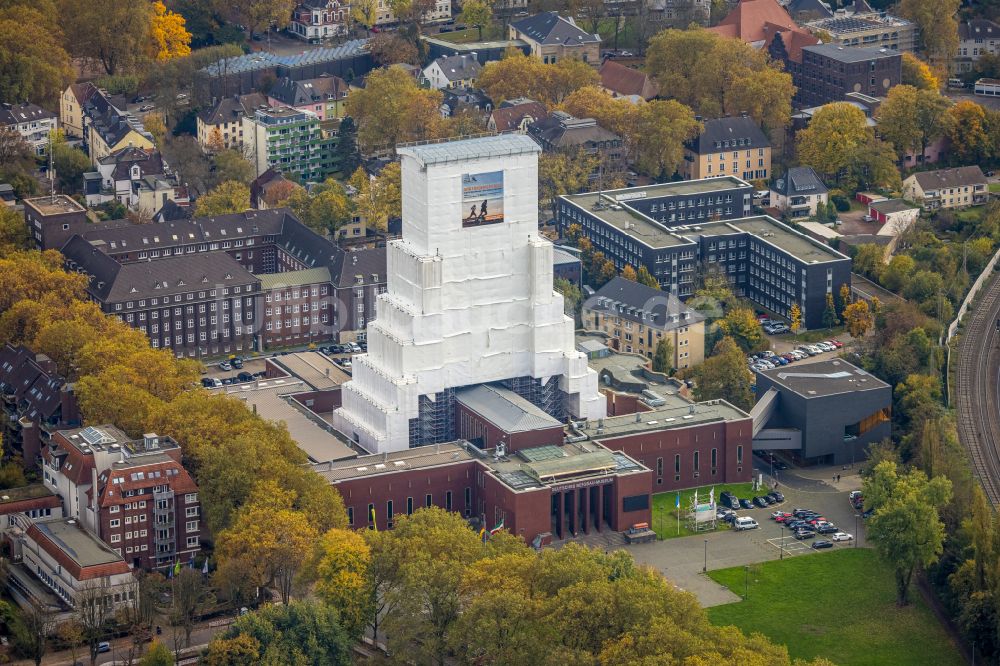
column 509, row 116
column 150, row 162
column 850, row 54
column 298, row 93
column 889, row 206
column 36, row 391
column 551, row 29
column 809, row 8
column 959, row 177
column 171, row 211
column 799, row 181
column 370, row 264
column 111, row 282
column 723, row 134
column 563, row 130
column 25, row 112
column 978, row 29
column 458, row 67
column 645, row 305
column 231, row 109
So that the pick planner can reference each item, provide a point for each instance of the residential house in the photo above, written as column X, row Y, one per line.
column 291, row 140
column 325, row 96
column 262, row 185
column 76, row 566
column 172, row 212
column 977, row 37
column 627, row 82
column 514, row 115
column 221, row 126
column 894, row 215
column 133, row 494
column 71, row 116
column 318, row 20
column 457, row 71
column 728, row 147
column 765, row 24
column 799, row 193
column 947, row 188
column 456, row 100
column 553, row 38
column 678, row 13
column 31, row 121
column 440, row 11
column 867, row 28
column 828, row 72
column 109, row 127
column 36, row 401
column 137, row 178
column 638, row 317
column 561, row 132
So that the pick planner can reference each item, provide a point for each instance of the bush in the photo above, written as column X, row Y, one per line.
column 119, row 84
column 841, row 203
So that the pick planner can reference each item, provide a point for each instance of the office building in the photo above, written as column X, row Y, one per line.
column 868, row 29
column 828, row 72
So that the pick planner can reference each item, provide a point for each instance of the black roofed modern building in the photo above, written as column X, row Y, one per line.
column 676, row 229
column 799, row 192
column 827, row 412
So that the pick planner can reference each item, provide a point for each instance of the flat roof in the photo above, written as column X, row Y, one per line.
column 54, row 205
column 314, row 368
column 34, row 491
column 293, row 278
column 481, row 147
column 432, row 455
column 820, row 229
column 675, row 188
column 85, row 549
column 781, row 236
column 850, row 53
column 825, row 378
column 505, row 409
column 551, row 465
column 272, row 400
column 892, row 206
column 629, row 221
column 664, row 418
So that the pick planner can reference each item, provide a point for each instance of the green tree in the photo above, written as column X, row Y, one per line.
column 663, row 358
column 31, row 634
column 189, row 598
column 916, row 73
column 14, row 234
column 725, row 375
column 968, row 132
column 158, row 655
column 643, row 276
column 518, row 75
column 325, row 208
column 858, row 318
column 392, row 109
column 897, row 274
column 230, row 165
column 564, row 173
column 300, row 632
column 34, row 64
column 116, row 35
column 226, row 198
column 365, row 12
column 905, row 526
column 830, row 313
column 70, row 163
column 339, row 567
column 938, row 26
column 261, row 15
column 571, row 296
column 345, row 152
column 742, row 325
column 869, row 260
column 835, row 132
column 476, row 13
column 911, row 118
column 378, row 199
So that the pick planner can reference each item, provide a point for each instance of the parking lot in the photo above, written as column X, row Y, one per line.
column 682, row 560
column 793, row 353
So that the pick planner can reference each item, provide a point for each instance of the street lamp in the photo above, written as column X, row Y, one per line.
column 704, row 569
column 746, row 582
column 857, row 534
column 781, row 544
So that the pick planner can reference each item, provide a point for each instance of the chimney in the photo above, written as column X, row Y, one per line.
column 93, row 493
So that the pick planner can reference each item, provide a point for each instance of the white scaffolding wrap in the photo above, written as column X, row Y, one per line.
column 464, row 305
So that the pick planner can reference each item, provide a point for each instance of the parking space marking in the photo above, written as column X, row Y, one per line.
column 791, row 545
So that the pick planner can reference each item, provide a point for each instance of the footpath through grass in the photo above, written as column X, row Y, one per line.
column 839, row 605
column 665, row 511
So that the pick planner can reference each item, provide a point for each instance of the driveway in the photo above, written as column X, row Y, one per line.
column 682, row 560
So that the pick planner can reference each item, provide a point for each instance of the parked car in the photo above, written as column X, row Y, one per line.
column 745, row 523
column 237, row 363
column 802, row 535
column 760, row 502
column 842, row 536
column 103, row 647
column 225, row 366
column 746, row 504
column 147, row 107
column 354, row 347
column 827, row 529
column 778, row 496
column 821, row 543
column 245, row 377
column 836, row 343
column 779, row 516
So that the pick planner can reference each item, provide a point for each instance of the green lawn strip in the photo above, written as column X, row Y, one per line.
column 819, row 335
column 995, row 187
column 665, row 511
column 460, row 36
column 837, row 604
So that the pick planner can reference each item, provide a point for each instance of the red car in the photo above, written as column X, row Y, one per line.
column 836, row 343
column 783, row 518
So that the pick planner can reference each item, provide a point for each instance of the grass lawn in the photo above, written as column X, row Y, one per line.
column 839, row 605
column 995, row 187
column 970, row 215
column 462, row 36
column 665, row 511
column 819, row 334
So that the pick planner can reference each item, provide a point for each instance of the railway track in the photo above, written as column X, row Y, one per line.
column 977, row 388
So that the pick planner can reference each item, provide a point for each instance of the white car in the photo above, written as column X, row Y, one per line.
column 842, row 536
column 826, row 346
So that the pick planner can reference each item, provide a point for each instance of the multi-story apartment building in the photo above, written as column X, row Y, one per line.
column 561, row 132
column 221, row 126
column 133, row 494
column 869, row 29
column 828, row 72
column 638, row 317
column 947, row 188
column 36, row 402
column 676, row 229
column 291, row 140
column 318, row 20
column 977, row 38
column 31, row 121
column 441, row 11
column 728, row 147
column 195, row 286
column 109, row 127
column 71, row 103
column 325, row 96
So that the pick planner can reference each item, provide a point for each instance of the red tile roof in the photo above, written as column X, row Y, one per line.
column 758, row 21
column 112, row 493
column 626, row 81
column 508, row 118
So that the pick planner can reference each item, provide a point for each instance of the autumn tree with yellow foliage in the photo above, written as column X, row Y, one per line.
column 393, row 109
column 169, row 37
column 518, row 75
